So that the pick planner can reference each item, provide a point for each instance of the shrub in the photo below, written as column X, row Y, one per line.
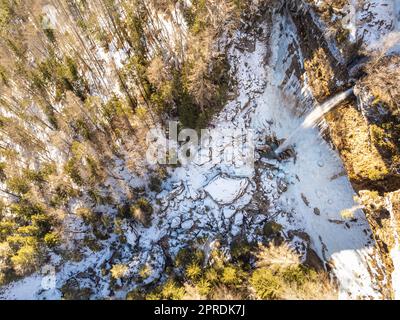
column 222, row 292
column 193, row 271
column 280, row 275
column 277, row 257
column 265, row 284
column 171, row 291
column 71, row 168
column 142, row 211
column 52, row 239
column 3, row 175
column 34, row 176
column 218, row 260
column 119, row 271
column 135, row 295
column 48, row 169
column 298, row 275
column 94, row 167
column 318, row 289
column 376, row 173
column 7, row 228
column 101, row 231
column 18, row 185
column 4, row 74
column 43, row 223
column 203, row 287
column 63, row 193
column 241, row 252
column 82, row 129
column 26, row 260
column 92, row 243
column 2, row 279
column 347, row 214
column 320, row 73
column 187, row 256
column 383, row 139
column 145, row 271
column 155, row 184
column 28, row 231
column 212, row 275
column 342, row 34
column 17, row 241
column 153, row 296
column 192, row 293
column 5, row 254
column 383, row 77
column 26, row 209
column 97, row 198
column 183, row 258
column 232, row 276
column 271, row 229
column 71, row 290
column 87, row 215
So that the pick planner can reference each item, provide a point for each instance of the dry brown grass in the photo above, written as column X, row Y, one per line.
column 381, row 225
column 383, row 81
column 224, row 293
column 395, row 200
column 191, row 293
column 320, row 74
column 321, row 288
column 282, row 256
column 350, row 133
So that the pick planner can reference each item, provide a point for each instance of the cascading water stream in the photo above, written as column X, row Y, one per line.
column 312, row 119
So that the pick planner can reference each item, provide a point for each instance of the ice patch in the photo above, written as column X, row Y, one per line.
column 225, row 190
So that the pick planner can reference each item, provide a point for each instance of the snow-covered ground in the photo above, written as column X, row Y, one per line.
column 305, row 193
column 376, row 19
column 374, row 22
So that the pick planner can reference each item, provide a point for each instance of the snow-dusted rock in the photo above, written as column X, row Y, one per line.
column 225, row 190
column 175, row 223
column 187, row 225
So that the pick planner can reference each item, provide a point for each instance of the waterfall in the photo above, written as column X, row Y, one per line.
column 313, row 118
